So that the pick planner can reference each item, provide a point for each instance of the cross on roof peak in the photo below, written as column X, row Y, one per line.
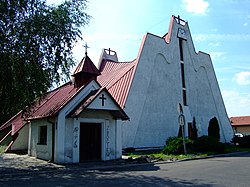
column 86, row 48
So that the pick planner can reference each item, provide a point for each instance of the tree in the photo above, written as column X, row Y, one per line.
column 36, row 48
column 214, row 129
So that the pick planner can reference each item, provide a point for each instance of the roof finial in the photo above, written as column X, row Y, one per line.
column 86, row 48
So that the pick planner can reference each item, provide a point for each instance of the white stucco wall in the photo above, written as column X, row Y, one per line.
column 35, row 149
column 21, row 143
column 157, row 89
column 111, row 134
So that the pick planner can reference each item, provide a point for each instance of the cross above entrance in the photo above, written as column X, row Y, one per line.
column 103, row 98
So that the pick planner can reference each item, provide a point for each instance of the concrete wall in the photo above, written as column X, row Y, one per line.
column 157, row 89
column 21, row 143
column 111, row 134
column 244, row 129
column 35, row 149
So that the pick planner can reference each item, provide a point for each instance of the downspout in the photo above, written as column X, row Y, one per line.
column 53, row 139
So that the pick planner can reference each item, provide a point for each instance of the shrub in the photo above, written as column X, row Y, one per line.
column 214, row 129
column 208, row 144
column 174, row 145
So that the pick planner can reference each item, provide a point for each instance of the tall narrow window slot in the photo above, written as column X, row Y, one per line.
column 184, row 94
column 181, row 49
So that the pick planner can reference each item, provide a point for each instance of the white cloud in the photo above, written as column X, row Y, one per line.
column 214, row 44
column 245, row 24
column 242, row 78
column 237, row 104
column 196, row 6
column 216, row 55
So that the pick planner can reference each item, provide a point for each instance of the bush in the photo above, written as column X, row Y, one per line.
column 214, row 129
column 208, row 144
column 174, row 145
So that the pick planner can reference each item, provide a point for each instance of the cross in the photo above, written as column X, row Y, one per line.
column 103, row 98
column 86, row 48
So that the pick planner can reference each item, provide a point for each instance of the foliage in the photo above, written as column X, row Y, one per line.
column 208, row 144
column 214, row 129
column 2, row 149
column 194, row 130
column 35, row 48
column 174, row 145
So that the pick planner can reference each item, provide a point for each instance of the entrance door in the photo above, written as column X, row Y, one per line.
column 90, row 141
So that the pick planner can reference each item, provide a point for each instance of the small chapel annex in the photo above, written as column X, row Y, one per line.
column 120, row 105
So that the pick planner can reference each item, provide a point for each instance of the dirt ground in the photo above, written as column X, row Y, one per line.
column 10, row 161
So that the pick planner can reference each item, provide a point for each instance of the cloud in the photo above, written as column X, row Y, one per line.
column 196, row 6
column 242, row 78
column 216, row 55
column 237, row 104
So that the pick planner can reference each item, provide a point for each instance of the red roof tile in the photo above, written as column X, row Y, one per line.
column 86, row 66
column 117, row 78
column 240, row 120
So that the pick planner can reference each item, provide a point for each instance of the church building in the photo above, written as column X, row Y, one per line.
column 121, row 105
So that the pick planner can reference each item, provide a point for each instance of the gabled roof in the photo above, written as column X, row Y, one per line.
column 240, row 120
column 91, row 97
column 86, row 66
column 117, row 77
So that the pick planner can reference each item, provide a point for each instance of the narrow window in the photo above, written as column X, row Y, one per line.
column 183, row 75
column 42, row 139
column 181, row 49
column 184, row 94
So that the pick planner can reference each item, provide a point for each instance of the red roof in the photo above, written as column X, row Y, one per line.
column 86, row 66
column 117, row 78
column 240, row 120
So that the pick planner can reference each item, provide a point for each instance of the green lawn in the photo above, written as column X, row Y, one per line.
column 159, row 154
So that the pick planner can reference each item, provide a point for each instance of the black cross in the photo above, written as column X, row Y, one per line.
column 103, row 98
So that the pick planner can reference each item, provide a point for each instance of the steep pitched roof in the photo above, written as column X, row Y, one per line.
column 240, row 120
column 86, row 66
column 117, row 77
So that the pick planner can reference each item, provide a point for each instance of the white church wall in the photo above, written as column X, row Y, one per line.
column 203, row 92
column 21, row 142
column 155, row 93
column 42, row 151
column 110, row 140
column 157, row 89
column 59, row 156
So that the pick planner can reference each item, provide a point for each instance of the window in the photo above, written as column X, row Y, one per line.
column 181, row 49
column 42, row 139
column 184, row 94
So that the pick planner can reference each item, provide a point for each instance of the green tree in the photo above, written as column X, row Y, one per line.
column 36, row 48
column 214, row 129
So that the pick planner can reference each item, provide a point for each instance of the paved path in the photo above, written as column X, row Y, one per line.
column 219, row 171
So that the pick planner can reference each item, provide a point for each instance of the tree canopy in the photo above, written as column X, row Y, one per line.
column 36, row 48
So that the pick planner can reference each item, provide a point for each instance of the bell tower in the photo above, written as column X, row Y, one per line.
column 85, row 71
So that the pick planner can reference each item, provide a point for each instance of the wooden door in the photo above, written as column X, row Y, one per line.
column 90, row 141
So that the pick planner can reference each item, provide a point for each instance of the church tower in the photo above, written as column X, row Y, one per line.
column 85, row 71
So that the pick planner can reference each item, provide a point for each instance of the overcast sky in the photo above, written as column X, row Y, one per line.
column 220, row 28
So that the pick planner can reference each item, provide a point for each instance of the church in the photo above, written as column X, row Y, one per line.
column 120, row 105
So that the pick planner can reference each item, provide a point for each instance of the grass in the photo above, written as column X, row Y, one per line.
column 159, row 154
column 2, row 148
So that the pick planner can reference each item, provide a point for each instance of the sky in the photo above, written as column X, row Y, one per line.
column 220, row 28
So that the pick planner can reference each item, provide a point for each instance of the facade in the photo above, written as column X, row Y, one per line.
column 87, row 118
column 241, row 124
column 73, row 123
column 166, row 72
